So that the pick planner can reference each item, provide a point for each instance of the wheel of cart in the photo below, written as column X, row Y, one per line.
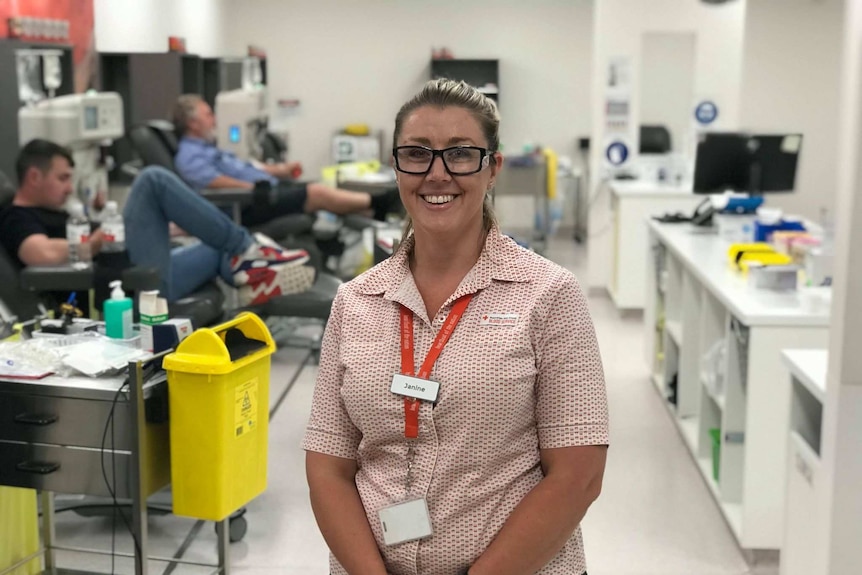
column 237, row 525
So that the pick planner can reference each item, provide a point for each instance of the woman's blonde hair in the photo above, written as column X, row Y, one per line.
column 444, row 93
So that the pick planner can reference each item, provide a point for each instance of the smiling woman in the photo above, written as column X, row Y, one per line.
column 485, row 459
column 470, row 145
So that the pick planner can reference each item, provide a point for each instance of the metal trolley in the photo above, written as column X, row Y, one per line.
column 55, row 436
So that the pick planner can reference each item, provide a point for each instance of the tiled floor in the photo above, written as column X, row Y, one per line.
column 655, row 515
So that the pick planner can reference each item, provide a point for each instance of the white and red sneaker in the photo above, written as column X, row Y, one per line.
column 264, row 253
column 267, row 270
column 260, row 284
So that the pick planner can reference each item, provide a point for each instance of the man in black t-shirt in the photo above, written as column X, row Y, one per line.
column 33, row 227
column 33, row 231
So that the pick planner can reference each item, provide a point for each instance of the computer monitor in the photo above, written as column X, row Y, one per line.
column 739, row 162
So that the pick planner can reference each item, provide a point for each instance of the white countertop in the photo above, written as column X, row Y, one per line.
column 809, row 367
column 704, row 254
column 648, row 188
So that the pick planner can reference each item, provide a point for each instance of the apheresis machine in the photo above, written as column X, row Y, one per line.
column 84, row 123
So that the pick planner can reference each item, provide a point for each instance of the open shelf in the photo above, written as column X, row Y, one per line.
column 694, row 307
column 719, row 400
column 689, row 429
column 732, row 511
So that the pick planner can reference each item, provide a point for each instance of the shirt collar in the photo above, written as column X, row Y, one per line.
column 196, row 141
column 499, row 261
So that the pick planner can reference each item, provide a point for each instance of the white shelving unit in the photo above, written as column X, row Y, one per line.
column 806, row 526
column 704, row 302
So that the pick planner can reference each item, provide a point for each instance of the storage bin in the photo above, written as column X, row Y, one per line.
column 218, row 390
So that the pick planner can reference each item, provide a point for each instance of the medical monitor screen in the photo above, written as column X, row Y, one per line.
column 91, row 118
column 747, row 163
column 721, row 164
column 773, row 161
column 234, row 134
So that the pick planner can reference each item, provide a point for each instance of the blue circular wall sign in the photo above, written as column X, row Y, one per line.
column 617, row 153
column 706, row 112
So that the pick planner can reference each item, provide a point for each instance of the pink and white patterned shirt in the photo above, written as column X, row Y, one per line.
column 522, row 372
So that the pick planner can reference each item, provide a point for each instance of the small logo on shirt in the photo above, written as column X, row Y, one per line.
column 498, row 319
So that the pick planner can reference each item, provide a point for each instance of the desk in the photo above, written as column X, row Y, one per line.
column 51, row 439
column 618, row 232
column 694, row 300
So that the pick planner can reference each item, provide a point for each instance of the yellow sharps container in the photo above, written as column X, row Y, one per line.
column 218, row 388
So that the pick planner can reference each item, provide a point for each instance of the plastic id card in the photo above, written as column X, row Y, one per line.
column 405, row 521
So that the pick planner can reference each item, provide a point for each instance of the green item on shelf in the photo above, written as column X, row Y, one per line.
column 715, row 434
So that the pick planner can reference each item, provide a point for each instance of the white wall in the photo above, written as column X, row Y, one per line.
column 620, row 25
column 144, row 25
column 353, row 62
column 667, row 84
column 791, row 79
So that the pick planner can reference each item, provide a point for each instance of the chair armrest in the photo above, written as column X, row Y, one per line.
column 56, row 278
column 132, row 168
column 228, row 195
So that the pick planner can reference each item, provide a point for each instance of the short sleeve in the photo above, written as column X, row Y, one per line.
column 195, row 166
column 330, row 429
column 571, row 399
column 17, row 225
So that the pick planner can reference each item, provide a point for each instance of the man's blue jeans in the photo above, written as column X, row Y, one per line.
column 159, row 197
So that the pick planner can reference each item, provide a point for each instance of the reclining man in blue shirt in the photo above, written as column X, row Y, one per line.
column 33, row 231
column 203, row 165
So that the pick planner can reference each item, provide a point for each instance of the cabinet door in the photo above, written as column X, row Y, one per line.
column 802, row 550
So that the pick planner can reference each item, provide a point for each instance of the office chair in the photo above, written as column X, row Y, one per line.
column 655, row 140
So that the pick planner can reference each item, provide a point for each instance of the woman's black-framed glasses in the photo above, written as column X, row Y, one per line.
column 458, row 160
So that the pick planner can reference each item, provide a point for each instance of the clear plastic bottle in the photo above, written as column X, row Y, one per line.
column 78, row 235
column 113, row 229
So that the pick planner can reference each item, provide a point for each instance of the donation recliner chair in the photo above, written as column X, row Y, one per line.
column 23, row 292
column 156, row 144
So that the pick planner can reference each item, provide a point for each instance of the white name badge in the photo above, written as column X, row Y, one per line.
column 407, row 521
column 415, row 387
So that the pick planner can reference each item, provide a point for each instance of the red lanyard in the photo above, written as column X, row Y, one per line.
column 411, row 405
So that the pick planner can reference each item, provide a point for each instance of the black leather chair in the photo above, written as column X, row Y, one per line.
column 655, row 140
column 156, row 144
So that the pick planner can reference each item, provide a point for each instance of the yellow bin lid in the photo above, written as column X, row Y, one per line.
column 205, row 351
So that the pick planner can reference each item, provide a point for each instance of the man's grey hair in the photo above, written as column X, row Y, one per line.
column 185, row 110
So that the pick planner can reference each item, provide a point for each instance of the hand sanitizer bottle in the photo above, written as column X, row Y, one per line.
column 118, row 313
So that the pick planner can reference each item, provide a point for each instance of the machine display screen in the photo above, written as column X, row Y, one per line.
column 91, row 118
column 234, row 134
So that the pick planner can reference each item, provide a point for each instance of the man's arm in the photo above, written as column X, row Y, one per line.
column 221, row 182
column 40, row 250
column 282, row 171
